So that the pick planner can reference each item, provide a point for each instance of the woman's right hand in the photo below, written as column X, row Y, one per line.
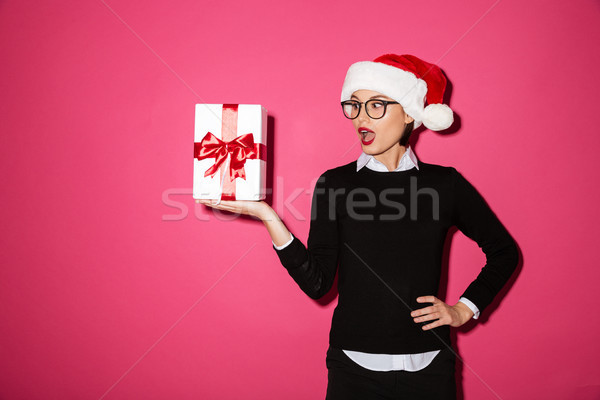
column 257, row 209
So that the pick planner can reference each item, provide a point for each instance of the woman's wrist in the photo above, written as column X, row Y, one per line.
column 464, row 312
column 265, row 213
column 277, row 230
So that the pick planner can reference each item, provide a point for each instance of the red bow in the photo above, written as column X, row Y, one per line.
column 240, row 149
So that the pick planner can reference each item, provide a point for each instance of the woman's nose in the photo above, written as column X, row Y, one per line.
column 362, row 115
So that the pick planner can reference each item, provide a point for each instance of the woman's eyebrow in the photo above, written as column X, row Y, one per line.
column 379, row 96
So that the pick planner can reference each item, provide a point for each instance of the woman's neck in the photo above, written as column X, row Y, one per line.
column 391, row 158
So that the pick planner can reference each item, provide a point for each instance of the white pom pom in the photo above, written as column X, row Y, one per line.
column 437, row 117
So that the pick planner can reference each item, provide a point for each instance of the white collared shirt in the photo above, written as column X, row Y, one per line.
column 392, row 362
column 407, row 161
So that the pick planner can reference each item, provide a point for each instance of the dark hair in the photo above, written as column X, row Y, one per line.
column 407, row 131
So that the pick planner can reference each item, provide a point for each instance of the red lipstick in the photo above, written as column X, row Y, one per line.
column 368, row 136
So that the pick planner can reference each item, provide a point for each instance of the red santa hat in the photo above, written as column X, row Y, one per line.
column 408, row 80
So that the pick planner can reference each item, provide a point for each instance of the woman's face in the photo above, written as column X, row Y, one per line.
column 379, row 136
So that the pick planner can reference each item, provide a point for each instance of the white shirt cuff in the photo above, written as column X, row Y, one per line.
column 472, row 306
column 286, row 244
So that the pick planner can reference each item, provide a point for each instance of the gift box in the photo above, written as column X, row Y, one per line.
column 230, row 153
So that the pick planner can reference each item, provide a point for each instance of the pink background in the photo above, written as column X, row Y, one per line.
column 115, row 285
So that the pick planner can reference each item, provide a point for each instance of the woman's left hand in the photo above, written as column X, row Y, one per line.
column 442, row 313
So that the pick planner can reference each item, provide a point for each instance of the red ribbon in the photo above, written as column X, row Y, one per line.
column 240, row 149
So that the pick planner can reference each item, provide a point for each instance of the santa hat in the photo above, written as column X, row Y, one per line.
column 408, row 80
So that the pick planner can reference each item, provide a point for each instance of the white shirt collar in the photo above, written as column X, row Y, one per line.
column 408, row 161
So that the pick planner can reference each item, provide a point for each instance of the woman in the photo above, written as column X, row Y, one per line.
column 383, row 220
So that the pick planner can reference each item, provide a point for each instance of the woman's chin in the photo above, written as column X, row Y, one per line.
column 369, row 150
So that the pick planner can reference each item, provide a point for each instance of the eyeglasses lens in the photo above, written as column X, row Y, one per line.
column 351, row 109
column 375, row 108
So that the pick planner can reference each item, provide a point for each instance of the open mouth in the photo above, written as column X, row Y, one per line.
column 367, row 136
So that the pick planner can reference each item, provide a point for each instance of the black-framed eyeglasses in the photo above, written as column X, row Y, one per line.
column 375, row 108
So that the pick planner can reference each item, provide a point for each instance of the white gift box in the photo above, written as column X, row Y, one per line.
column 230, row 143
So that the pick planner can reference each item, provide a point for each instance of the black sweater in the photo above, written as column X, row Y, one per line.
column 386, row 231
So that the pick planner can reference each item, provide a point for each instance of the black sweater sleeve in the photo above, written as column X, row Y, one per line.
column 475, row 219
column 314, row 268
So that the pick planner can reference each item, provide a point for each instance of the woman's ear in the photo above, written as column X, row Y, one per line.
column 408, row 119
